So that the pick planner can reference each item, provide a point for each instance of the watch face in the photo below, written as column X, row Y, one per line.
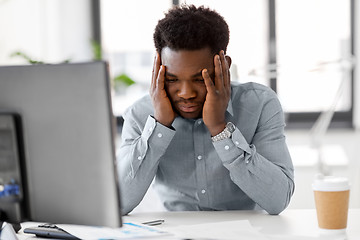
column 230, row 126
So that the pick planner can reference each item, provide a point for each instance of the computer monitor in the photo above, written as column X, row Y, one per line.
column 69, row 134
column 13, row 195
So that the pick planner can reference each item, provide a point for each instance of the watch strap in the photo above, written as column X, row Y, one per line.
column 226, row 133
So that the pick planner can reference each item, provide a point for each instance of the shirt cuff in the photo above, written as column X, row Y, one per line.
column 158, row 134
column 232, row 148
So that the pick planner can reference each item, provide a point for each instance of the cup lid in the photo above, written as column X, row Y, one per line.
column 331, row 183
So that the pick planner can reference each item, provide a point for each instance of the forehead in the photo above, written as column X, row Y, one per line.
column 186, row 61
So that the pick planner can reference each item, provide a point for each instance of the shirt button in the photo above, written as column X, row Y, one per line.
column 247, row 161
column 159, row 135
column 227, row 147
column 199, row 122
column 139, row 157
column 150, row 129
column 237, row 143
column 203, row 191
column 199, row 157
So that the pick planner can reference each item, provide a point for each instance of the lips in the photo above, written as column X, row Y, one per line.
column 188, row 108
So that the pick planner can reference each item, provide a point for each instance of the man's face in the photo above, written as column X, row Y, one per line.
column 184, row 83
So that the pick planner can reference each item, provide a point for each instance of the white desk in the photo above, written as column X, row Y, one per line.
column 290, row 224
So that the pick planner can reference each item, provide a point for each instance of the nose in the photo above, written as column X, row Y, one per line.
column 186, row 91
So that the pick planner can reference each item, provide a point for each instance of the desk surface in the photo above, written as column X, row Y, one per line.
column 290, row 224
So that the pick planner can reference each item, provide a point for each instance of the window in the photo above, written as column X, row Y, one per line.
column 127, row 43
column 314, row 58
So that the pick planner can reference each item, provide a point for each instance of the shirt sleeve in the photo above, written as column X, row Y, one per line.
column 262, row 168
column 138, row 157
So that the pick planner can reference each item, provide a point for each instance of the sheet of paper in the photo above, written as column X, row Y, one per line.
column 7, row 232
column 128, row 231
column 228, row 230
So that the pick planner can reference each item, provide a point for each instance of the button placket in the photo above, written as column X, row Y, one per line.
column 200, row 160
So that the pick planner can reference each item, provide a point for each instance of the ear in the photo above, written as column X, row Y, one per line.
column 228, row 60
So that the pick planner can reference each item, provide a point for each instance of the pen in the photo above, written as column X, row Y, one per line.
column 154, row 223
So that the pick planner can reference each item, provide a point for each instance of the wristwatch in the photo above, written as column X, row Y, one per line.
column 226, row 133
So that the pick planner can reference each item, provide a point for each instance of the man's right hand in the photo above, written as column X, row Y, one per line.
column 163, row 111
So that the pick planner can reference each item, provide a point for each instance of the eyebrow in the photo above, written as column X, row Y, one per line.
column 199, row 74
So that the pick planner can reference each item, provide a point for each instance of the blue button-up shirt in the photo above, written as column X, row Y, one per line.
column 191, row 172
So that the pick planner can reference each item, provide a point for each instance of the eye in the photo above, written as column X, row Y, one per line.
column 199, row 80
column 170, row 80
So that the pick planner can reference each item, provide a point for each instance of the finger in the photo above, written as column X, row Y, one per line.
column 227, row 77
column 152, row 83
column 219, row 82
column 225, row 69
column 209, row 84
column 155, row 71
column 160, row 80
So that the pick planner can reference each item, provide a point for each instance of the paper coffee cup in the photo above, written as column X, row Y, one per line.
column 332, row 202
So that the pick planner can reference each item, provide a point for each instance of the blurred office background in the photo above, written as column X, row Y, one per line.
column 303, row 49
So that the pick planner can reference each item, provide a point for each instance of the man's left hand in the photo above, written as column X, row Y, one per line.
column 218, row 95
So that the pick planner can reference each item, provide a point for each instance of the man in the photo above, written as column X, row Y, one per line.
column 209, row 143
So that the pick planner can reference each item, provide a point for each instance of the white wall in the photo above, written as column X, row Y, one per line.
column 51, row 31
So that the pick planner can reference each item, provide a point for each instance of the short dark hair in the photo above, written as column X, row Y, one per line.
column 187, row 27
